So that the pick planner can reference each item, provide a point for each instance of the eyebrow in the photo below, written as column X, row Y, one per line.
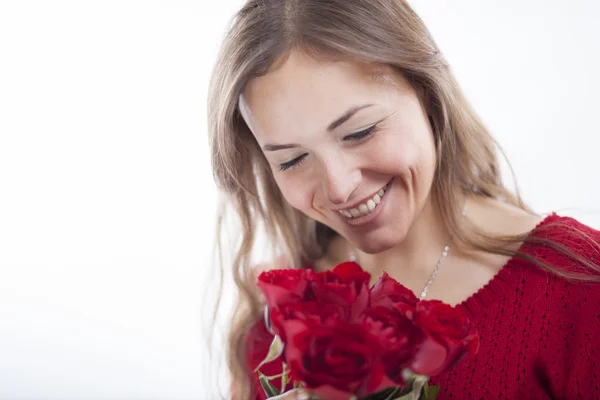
column 335, row 124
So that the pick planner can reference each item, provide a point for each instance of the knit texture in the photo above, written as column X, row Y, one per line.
column 539, row 333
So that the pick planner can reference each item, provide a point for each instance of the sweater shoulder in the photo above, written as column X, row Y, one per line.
column 566, row 244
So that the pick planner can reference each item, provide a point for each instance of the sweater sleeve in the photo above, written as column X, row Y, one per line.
column 573, row 357
column 573, row 344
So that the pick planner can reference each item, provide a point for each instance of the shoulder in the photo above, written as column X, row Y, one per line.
column 567, row 244
column 573, row 326
column 572, row 250
column 499, row 218
column 567, row 229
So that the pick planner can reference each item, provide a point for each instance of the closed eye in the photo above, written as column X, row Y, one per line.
column 292, row 163
column 362, row 134
column 352, row 137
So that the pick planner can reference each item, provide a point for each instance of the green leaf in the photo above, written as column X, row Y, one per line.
column 275, row 351
column 269, row 389
column 430, row 392
column 284, row 376
column 407, row 396
column 417, row 386
column 392, row 394
column 271, row 377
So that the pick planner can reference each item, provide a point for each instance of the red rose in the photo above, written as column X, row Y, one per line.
column 346, row 285
column 257, row 343
column 388, row 293
column 324, row 314
column 282, row 286
column 335, row 362
column 398, row 335
column 449, row 337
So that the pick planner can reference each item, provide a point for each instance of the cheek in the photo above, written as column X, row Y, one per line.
column 295, row 192
column 427, row 157
column 402, row 153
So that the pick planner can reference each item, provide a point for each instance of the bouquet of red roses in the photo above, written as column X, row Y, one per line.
column 341, row 340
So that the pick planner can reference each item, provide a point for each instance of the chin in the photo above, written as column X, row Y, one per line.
column 374, row 247
column 374, row 244
column 386, row 237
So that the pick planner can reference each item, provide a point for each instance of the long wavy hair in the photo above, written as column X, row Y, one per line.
column 389, row 32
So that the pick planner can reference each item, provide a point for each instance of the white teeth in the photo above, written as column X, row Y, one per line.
column 346, row 213
column 370, row 205
column 365, row 208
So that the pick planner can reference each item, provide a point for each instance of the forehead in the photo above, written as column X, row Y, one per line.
column 304, row 94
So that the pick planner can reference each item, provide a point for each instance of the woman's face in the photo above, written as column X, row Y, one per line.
column 349, row 145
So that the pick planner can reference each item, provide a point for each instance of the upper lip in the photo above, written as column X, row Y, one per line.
column 356, row 203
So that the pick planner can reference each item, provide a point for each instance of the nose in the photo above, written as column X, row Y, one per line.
column 340, row 180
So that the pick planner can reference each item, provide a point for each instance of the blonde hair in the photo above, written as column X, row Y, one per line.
column 389, row 32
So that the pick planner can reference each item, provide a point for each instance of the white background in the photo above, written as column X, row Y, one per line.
column 107, row 201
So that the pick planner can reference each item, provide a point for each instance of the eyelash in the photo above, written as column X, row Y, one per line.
column 353, row 137
column 293, row 163
column 362, row 134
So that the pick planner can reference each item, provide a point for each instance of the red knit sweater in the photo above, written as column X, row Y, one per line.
column 540, row 334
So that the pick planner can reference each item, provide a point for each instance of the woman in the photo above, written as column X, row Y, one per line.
column 338, row 127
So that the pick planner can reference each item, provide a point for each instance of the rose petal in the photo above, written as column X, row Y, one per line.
column 282, row 286
column 387, row 292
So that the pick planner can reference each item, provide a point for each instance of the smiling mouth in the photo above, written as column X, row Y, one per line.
column 365, row 208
